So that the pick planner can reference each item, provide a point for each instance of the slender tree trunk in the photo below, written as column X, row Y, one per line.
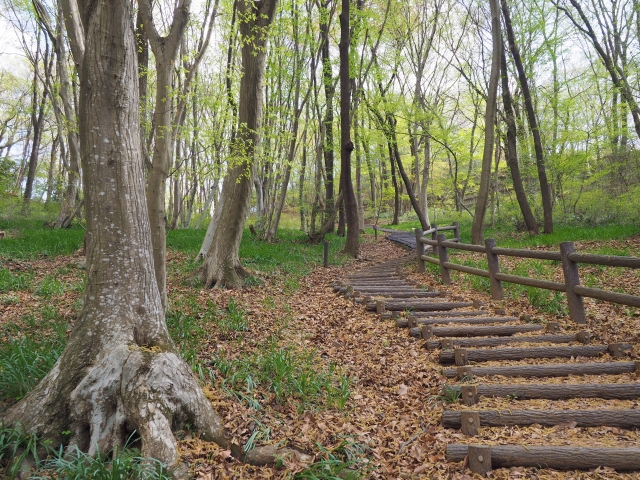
column 37, row 121
column 329, row 92
column 352, row 244
column 222, row 266
column 477, row 227
column 547, row 207
column 512, row 151
column 359, row 195
column 69, row 202
column 165, row 50
column 391, row 121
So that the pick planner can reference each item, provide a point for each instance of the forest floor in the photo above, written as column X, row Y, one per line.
column 388, row 423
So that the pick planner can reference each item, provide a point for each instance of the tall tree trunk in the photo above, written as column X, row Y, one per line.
column 477, row 227
column 545, row 192
column 120, row 371
column 352, row 244
column 512, row 150
column 359, row 195
column 222, row 266
column 329, row 91
column 52, row 165
column 69, row 202
column 112, row 377
column 165, row 50
column 37, row 120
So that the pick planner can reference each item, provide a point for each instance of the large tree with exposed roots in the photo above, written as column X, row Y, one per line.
column 120, row 371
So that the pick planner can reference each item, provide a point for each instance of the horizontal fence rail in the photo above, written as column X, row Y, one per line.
column 567, row 255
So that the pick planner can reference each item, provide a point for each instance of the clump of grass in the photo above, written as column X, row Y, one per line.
column 10, row 282
column 287, row 375
column 188, row 333
column 347, row 461
column 233, row 320
column 119, row 464
column 16, row 445
column 50, row 286
column 25, row 361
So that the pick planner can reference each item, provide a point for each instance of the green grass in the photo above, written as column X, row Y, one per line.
column 347, row 461
column 16, row 445
column 49, row 286
column 10, row 282
column 26, row 360
column 115, row 465
column 29, row 239
column 292, row 256
column 287, row 375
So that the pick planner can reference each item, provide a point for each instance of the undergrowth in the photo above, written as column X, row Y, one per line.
column 45, row 462
column 283, row 374
column 347, row 461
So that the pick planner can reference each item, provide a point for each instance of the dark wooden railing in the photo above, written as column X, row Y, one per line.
column 567, row 255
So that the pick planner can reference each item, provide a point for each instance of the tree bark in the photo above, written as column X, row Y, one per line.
column 111, row 379
column 477, row 227
column 165, row 50
column 352, row 244
column 120, row 371
column 37, row 119
column 545, row 192
column 222, row 266
column 329, row 92
column 512, row 151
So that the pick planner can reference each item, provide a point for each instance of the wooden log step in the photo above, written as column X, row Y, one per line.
column 428, row 331
column 559, row 458
column 607, row 391
column 420, row 306
column 487, row 355
column 551, row 370
column 374, row 275
column 389, row 296
column 415, row 321
column 383, row 290
column 380, row 281
column 464, row 313
column 496, row 341
column 548, row 418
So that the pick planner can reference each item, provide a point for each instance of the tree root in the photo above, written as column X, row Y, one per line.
column 146, row 390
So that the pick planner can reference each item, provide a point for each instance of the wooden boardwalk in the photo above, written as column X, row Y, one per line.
column 486, row 354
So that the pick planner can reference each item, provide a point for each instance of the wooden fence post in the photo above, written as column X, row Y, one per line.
column 420, row 250
column 434, row 236
column 571, row 279
column 444, row 257
column 494, row 267
column 326, row 254
column 456, row 231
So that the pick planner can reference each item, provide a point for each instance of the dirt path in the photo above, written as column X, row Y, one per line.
column 395, row 407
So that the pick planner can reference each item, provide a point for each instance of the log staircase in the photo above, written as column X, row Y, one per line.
column 488, row 354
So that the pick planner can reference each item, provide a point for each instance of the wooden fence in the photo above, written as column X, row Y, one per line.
column 567, row 255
